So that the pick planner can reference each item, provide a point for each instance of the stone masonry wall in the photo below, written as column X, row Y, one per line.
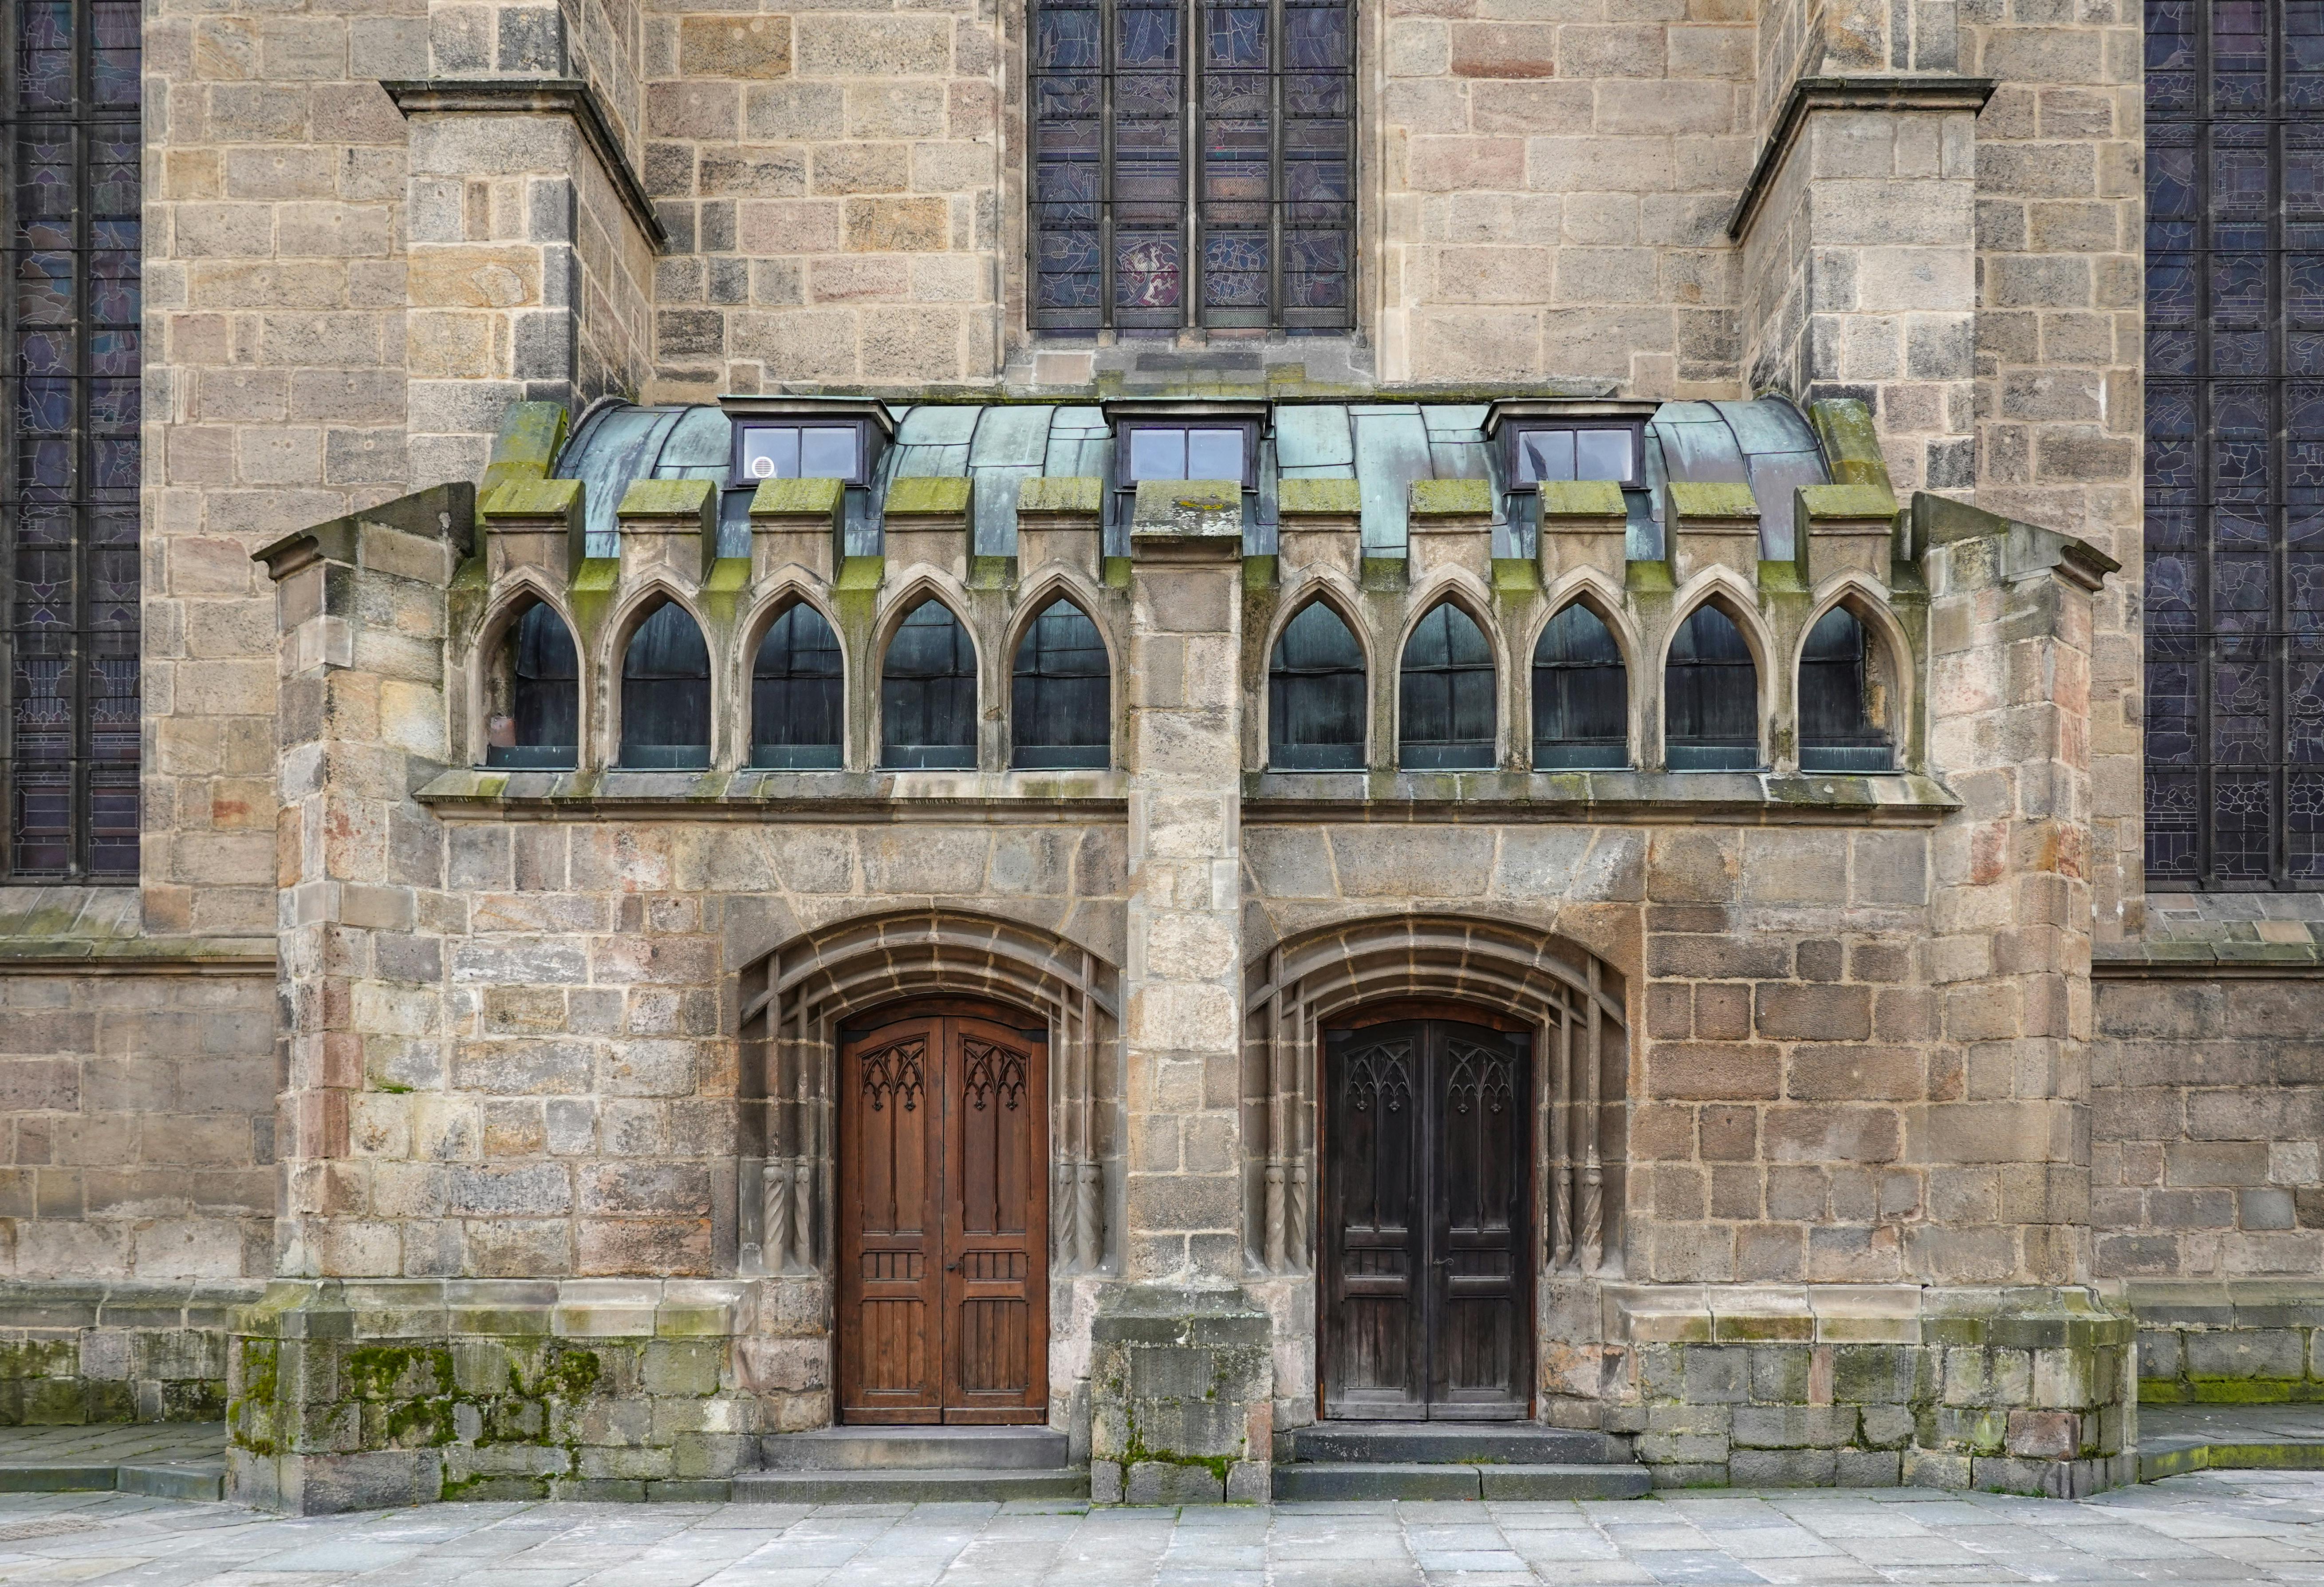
column 139, row 1131
column 2060, row 331
column 2208, row 1106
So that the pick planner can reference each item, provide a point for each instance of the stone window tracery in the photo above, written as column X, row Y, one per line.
column 1192, row 165
column 70, row 497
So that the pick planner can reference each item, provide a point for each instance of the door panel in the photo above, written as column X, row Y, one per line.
column 997, row 1225
column 1427, row 1244
column 944, row 1222
column 890, row 1125
column 1373, row 1212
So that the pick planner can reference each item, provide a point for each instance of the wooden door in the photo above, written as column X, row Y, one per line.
column 944, row 1221
column 1427, row 1264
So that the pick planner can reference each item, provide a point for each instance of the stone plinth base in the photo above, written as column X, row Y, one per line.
column 2020, row 1390
column 1181, row 1397
column 359, row 1394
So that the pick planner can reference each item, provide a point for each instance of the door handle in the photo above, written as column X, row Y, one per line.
column 952, row 1267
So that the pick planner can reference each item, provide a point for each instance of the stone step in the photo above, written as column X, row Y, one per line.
column 915, row 1448
column 1418, row 1479
column 1460, row 1443
column 900, row 1485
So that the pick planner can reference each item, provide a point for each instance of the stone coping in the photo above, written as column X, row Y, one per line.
column 2224, row 1303
column 2181, row 1438
column 2023, row 1316
column 1754, row 797
column 2169, row 960
column 140, row 955
column 34, row 1305
column 561, row 1308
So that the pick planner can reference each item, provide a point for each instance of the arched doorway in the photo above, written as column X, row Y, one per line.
column 1533, row 1006
column 943, row 1215
column 1425, row 1239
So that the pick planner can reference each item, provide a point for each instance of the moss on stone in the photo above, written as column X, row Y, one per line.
column 797, row 498
column 1333, row 498
column 941, row 497
column 1452, row 498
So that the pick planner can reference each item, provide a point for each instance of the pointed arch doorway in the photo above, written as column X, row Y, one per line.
column 1426, row 1236
column 944, row 1234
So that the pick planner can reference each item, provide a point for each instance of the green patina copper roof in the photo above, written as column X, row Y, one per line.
column 1381, row 447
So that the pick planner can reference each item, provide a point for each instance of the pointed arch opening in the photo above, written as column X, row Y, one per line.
column 928, row 693
column 666, row 693
column 1710, row 694
column 1316, row 694
column 1847, row 697
column 798, row 694
column 1581, row 695
column 1444, row 695
column 1061, row 693
column 532, row 693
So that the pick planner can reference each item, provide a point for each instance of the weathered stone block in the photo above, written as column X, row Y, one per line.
column 1584, row 526
column 668, row 526
column 1711, row 525
column 795, row 523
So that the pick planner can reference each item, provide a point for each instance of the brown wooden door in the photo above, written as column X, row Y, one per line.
column 944, row 1222
column 1427, row 1247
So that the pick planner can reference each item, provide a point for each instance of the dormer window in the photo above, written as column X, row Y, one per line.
column 798, row 451
column 1581, row 449
column 796, row 438
column 1190, row 451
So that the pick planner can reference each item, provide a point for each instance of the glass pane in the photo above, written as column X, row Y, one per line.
column 1158, row 454
column 827, row 452
column 1545, row 453
column 1214, row 454
column 666, row 693
column 1710, row 696
column 771, row 451
column 1445, row 714
column 1602, row 453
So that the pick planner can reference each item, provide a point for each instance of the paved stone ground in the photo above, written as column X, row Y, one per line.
column 112, row 1444
column 2242, row 1526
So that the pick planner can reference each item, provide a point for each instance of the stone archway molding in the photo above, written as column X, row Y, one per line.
column 1573, row 1000
column 793, row 1002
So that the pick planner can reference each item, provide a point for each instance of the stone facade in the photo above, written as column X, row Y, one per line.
column 1881, row 1101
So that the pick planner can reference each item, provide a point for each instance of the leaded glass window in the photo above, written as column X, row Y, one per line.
column 2235, row 443
column 1580, row 696
column 1193, row 164
column 666, row 694
column 70, row 491
column 798, row 694
column 1060, row 696
column 1840, row 700
column 928, row 693
column 534, row 715
column 1316, row 694
column 1446, row 707
column 1710, row 696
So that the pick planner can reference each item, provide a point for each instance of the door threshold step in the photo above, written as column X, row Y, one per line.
column 915, row 1448
column 1421, row 1480
column 1463, row 1443
column 905, row 1485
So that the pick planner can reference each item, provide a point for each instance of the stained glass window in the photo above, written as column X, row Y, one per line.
column 1193, row 164
column 69, row 513
column 2235, row 443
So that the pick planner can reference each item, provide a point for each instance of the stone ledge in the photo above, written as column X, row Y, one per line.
column 2210, row 961
column 778, row 796
column 1750, row 797
column 544, row 1308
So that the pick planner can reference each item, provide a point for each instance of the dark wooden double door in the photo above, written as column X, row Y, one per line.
column 1427, row 1247
column 943, row 1233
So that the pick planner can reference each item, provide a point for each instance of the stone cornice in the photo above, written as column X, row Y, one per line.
column 1945, row 92
column 1724, row 799
column 537, row 95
